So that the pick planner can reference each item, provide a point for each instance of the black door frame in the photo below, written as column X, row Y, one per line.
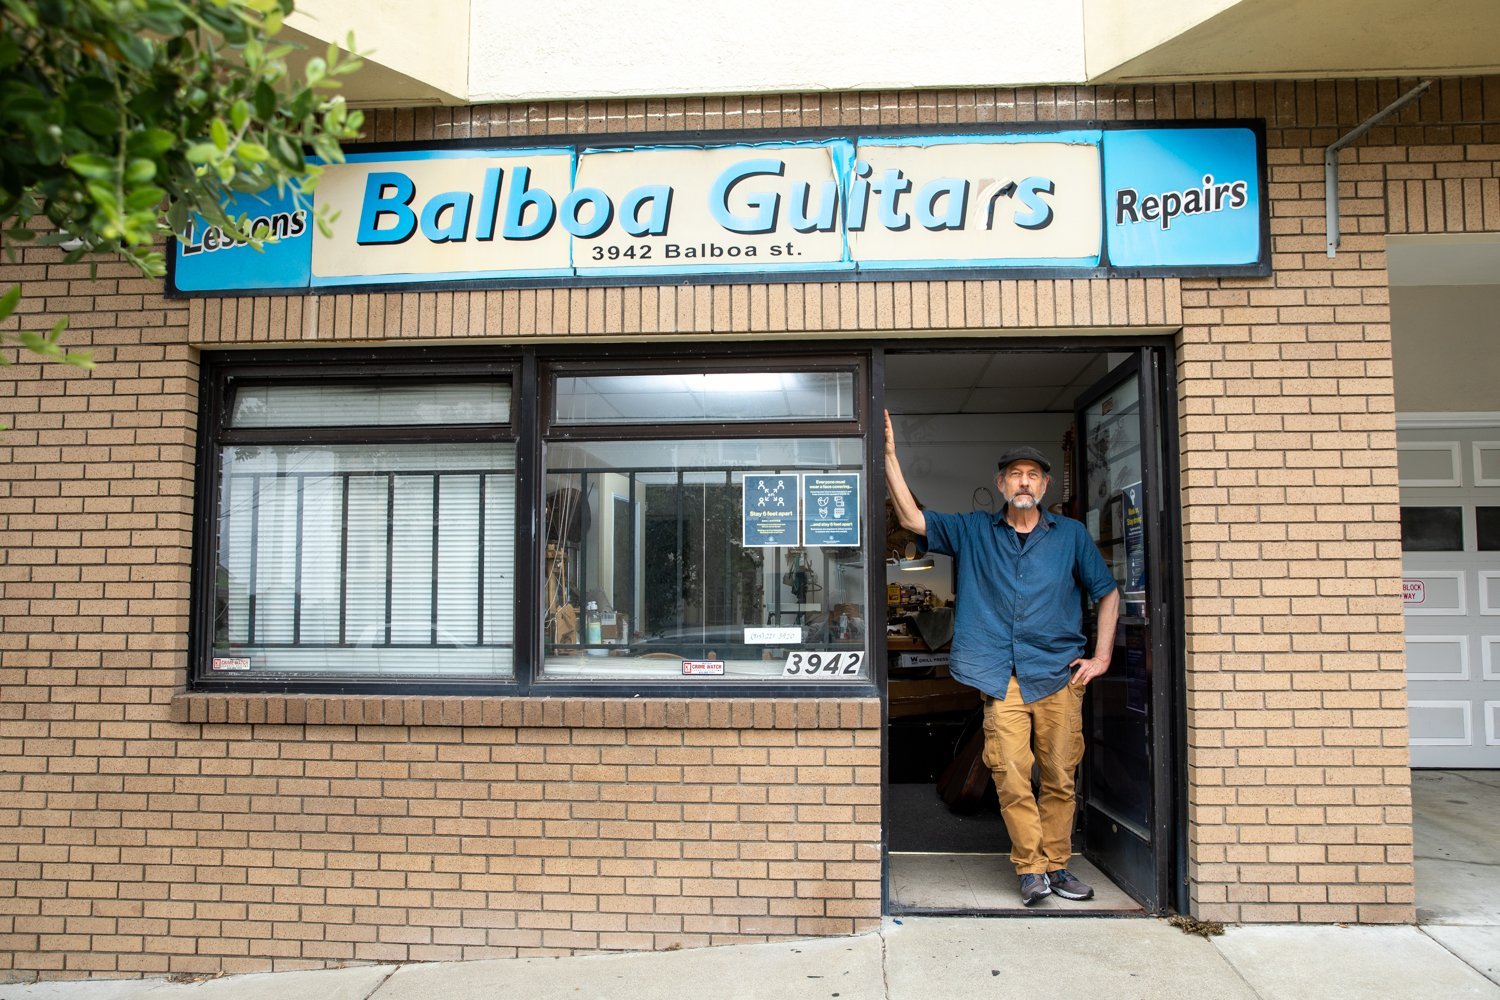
column 1169, row 701
column 1163, row 598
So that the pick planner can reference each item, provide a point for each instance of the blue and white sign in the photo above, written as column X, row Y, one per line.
column 830, row 509
column 208, row 260
column 769, row 503
column 1069, row 202
column 1182, row 197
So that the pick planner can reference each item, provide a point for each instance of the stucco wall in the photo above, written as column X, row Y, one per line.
column 550, row 51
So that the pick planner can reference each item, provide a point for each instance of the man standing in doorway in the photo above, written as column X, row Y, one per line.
column 1018, row 638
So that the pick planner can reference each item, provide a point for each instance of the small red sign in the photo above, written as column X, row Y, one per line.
column 1413, row 591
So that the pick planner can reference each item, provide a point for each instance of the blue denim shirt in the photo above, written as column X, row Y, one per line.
column 1018, row 608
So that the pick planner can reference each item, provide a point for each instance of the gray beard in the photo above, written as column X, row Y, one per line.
column 1022, row 503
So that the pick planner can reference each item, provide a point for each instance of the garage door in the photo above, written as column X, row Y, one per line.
column 1450, row 539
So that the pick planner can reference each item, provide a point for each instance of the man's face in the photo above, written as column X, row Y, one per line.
column 1023, row 484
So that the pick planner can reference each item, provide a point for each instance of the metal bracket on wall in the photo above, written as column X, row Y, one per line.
column 1331, row 161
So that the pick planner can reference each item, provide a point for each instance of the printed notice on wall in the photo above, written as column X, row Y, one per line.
column 830, row 506
column 1135, row 550
column 770, row 509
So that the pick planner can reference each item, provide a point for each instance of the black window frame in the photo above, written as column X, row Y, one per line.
column 531, row 370
column 223, row 374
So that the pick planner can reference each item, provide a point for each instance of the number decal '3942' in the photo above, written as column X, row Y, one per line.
column 825, row 666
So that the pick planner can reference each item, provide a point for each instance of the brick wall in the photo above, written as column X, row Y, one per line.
column 147, row 831
column 240, row 834
column 1299, row 786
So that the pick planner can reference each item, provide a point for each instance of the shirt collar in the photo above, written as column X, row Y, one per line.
column 1048, row 519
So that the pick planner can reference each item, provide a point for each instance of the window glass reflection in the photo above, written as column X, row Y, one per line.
column 647, row 574
column 1432, row 529
column 695, row 397
column 389, row 405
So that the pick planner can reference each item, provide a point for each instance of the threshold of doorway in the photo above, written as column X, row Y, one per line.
column 939, row 884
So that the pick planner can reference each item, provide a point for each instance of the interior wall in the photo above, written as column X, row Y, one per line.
column 947, row 459
column 1443, row 340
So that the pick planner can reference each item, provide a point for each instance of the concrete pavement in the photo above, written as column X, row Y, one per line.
column 918, row 958
column 1456, row 815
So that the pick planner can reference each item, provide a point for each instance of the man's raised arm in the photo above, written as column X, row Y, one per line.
column 907, row 511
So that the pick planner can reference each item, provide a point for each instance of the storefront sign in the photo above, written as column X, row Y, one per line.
column 1068, row 202
column 830, row 505
column 769, row 503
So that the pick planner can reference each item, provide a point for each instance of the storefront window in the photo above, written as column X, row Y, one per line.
column 654, row 569
column 400, row 521
column 342, row 551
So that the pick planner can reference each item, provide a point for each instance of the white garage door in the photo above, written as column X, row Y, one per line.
column 1450, row 540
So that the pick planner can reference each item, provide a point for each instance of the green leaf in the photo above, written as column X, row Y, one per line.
column 103, row 195
column 265, row 101
column 239, row 114
column 202, row 152
column 151, row 142
column 140, row 171
column 290, row 154
column 9, row 301
column 92, row 165
column 38, row 344
column 252, row 152
column 24, row 12
column 219, row 132
column 142, row 198
column 317, row 69
column 138, row 49
column 100, row 119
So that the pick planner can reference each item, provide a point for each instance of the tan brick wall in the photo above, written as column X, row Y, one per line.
column 1299, row 785
column 244, row 833
column 145, row 831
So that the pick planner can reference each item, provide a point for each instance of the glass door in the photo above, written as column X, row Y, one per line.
column 1125, row 789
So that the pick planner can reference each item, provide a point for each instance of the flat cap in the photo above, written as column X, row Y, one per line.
column 1026, row 454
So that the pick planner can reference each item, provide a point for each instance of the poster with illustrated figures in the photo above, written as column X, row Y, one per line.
column 815, row 509
column 770, row 509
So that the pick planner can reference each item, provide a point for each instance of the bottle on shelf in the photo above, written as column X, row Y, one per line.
column 593, row 630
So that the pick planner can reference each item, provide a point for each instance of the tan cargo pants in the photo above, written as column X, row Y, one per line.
column 1040, row 826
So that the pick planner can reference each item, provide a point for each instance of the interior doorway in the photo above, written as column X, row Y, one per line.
column 1100, row 415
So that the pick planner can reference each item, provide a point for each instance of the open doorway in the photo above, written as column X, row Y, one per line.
column 1098, row 414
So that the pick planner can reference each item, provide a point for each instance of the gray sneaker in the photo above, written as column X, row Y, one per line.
column 1033, row 888
column 1066, row 885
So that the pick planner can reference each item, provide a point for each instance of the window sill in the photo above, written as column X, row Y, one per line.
column 860, row 712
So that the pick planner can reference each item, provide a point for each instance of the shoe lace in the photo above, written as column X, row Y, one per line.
column 1061, row 875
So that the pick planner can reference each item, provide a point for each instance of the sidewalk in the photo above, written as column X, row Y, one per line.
column 926, row 958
